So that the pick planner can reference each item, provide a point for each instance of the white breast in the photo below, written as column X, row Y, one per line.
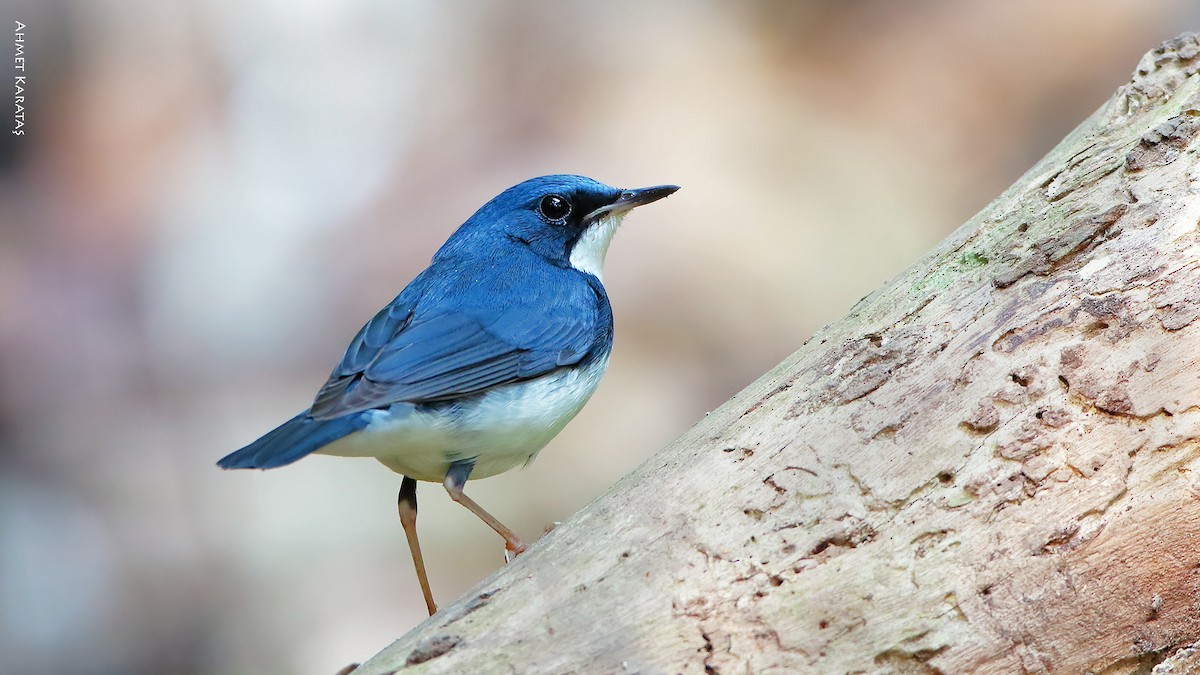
column 504, row 428
column 592, row 246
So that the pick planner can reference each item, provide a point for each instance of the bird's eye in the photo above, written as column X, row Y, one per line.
column 554, row 207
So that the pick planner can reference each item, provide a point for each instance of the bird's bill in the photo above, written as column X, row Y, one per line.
column 630, row 199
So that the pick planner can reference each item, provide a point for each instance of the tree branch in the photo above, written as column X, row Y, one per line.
column 991, row 465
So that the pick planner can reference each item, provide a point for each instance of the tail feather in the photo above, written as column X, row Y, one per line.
column 296, row 438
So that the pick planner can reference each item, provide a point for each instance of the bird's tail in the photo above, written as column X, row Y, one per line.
column 292, row 440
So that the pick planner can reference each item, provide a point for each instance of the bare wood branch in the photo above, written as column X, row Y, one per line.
column 991, row 465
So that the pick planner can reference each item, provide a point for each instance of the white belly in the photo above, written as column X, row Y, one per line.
column 502, row 429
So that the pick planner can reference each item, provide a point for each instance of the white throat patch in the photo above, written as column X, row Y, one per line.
column 592, row 246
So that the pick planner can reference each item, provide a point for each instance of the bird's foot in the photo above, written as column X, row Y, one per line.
column 514, row 548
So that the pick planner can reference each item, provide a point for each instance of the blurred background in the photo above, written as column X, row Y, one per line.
column 213, row 196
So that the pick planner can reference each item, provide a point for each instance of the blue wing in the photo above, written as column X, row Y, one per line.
column 457, row 331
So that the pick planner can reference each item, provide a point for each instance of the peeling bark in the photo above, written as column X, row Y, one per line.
column 992, row 465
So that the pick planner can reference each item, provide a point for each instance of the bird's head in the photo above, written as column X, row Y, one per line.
column 567, row 220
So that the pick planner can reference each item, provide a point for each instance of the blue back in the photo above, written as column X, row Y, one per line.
column 498, row 304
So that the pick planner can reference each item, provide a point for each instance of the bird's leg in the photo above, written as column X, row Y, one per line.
column 456, row 478
column 407, row 505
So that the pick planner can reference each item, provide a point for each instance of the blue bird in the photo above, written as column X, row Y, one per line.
column 482, row 359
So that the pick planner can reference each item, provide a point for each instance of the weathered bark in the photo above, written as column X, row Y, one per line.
column 991, row 465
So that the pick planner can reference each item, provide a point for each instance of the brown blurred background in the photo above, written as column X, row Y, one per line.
column 213, row 196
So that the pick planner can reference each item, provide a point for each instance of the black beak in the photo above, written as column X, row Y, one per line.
column 629, row 199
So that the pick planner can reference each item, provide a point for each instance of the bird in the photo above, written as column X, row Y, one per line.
column 482, row 358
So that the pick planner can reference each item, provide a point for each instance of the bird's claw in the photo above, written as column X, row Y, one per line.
column 512, row 549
